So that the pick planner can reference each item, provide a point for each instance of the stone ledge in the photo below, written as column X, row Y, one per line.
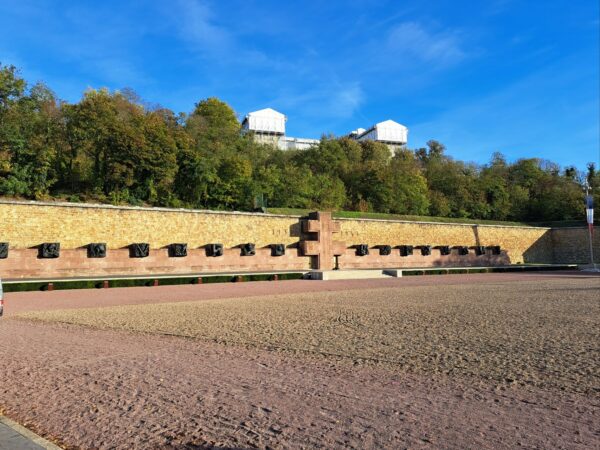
column 358, row 274
column 140, row 208
column 362, row 219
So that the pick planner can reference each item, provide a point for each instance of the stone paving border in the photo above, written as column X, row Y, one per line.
column 16, row 437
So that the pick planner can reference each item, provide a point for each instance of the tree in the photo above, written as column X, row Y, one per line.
column 12, row 88
column 407, row 184
column 120, row 150
column 28, row 124
column 214, row 127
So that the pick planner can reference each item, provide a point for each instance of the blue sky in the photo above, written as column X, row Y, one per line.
column 520, row 77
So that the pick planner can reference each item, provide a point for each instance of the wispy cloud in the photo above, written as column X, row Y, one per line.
column 522, row 119
column 337, row 100
column 321, row 108
column 411, row 41
column 196, row 24
column 347, row 100
column 495, row 7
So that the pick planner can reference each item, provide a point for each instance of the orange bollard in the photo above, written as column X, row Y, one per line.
column 155, row 283
column 50, row 287
column 105, row 284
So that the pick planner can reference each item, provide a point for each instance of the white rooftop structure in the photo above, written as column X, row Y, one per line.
column 388, row 132
column 357, row 132
column 291, row 143
column 265, row 121
column 268, row 127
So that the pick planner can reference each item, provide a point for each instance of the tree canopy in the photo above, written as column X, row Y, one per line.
column 112, row 147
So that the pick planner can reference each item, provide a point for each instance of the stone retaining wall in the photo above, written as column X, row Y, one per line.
column 26, row 225
column 571, row 245
column 522, row 244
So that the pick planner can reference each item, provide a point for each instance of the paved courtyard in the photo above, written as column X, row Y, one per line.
column 12, row 440
column 485, row 361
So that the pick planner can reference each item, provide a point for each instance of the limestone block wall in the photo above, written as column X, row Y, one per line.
column 571, row 245
column 26, row 225
column 520, row 244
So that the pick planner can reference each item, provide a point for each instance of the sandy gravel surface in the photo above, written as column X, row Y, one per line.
column 541, row 333
column 95, row 389
column 17, row 302
column 92, row 388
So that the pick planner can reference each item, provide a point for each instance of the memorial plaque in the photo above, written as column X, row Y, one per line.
column 139, row 250
column 248, row 249
column 277, row 249
column 496, row 250
column 385, row 250
column 425, row 250
column 362, row 250
column 96, row 250
column 214, row 250
column 178, row 250
column 49, row 250
column 406, row 250
column 3, row 250
column 479, row 250
column 444, row 250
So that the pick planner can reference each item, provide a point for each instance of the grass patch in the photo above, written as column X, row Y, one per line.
column 412, row 218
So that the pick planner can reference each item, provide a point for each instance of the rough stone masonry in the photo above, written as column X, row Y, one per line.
column 311, row 242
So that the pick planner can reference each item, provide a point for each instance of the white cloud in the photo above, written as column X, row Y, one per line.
column 196, row 24
column 330, row 101
column 410, row 40
column 345, row 101
column 539, row 115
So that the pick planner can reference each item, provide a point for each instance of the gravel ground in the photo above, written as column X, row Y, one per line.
column 487, row 365
column 17, row 302
column 545, row 334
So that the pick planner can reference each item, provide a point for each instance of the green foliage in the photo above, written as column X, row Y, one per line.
column 111, row 147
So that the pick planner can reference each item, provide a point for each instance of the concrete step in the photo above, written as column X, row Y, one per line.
column 356, row 274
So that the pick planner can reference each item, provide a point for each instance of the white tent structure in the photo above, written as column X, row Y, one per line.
column 292, row 143
column 388, row 132
column 265, row 121
column 268, row 127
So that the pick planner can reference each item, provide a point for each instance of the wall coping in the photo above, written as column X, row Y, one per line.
column 442, row 223
column 252, row 214
column 140, row 208
column 582, row 227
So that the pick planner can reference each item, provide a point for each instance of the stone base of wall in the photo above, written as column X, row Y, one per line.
column 349, row 260
column 24, row 263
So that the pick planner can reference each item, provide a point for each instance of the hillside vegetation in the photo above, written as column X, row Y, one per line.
column 113, row 147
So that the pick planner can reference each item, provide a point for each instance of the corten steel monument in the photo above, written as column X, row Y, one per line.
column 320, row 228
